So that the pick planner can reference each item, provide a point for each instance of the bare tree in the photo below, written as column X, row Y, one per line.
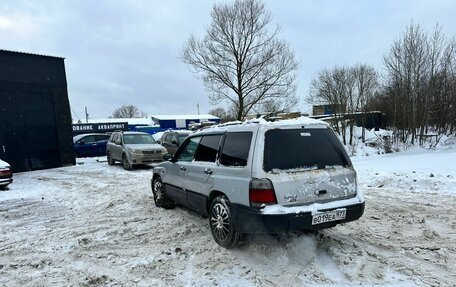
column 330, row 87
column 240, row 61
column 366, row 87
column 224, row 115
column 275, row 106
column 218, row 112
column 407, row 65
column 128, row 111
column 347, row 90
column 420, row 83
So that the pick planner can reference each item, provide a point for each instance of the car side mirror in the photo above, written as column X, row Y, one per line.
column 174, row 143
column 168, row 156
column 81, row 142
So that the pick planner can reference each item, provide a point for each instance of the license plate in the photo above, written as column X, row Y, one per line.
column 329, row 216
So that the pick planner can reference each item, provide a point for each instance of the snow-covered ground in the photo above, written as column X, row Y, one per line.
column 95, row 224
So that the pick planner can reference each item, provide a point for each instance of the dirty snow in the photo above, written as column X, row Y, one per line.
column 96, row 225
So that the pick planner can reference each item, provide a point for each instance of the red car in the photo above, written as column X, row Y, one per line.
column 6, row 175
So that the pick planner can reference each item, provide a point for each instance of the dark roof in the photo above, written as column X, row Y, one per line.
column 3, row 50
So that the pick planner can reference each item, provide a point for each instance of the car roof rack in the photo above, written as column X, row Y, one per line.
column 272, row 117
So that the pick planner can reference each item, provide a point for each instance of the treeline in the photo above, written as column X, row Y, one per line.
column 416, row 90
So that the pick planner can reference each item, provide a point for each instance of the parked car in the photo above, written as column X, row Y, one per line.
column 172, row 139
column 6, row 175
column 88, row 145
column 261, row 177
column 133, row 148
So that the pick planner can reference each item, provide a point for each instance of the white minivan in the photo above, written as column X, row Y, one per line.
column 261, row 177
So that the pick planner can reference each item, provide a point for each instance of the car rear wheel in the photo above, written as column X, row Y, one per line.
column 126, row 165
column 160, row 198
column 221, row 223
column 111, row 161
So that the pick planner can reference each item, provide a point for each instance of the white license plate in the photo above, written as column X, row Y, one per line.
column 329, row 216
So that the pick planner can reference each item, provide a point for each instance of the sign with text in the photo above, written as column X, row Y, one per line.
column 99, row 128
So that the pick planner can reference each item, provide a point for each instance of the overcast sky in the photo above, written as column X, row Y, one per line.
column 127, row 52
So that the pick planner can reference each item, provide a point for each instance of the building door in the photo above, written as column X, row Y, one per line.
column 37, row 114
column 28, row 129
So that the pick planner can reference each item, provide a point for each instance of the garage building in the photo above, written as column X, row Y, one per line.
column 35, row 118
column 182, row 121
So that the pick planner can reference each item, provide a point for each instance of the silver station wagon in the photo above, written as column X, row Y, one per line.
column 261, row 177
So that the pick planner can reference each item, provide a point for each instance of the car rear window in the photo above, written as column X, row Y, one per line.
column 288, row 149
column 102, row 137
column 236, row 149
column 88, row 139
column 168, row 138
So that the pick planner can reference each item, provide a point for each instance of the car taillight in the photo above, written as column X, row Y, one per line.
column 5, row 172
column 261, row 192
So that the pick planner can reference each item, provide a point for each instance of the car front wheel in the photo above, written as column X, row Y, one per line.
column 126, row 165
column 221, row 223
column 110, row 159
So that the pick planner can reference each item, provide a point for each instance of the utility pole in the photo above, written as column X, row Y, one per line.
column 87, row 116
column 198, row 107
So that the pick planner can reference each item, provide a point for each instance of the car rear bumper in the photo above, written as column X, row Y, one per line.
column 251, row 220
column 5, row 181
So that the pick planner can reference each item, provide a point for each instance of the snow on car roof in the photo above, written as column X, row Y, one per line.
column 297, row 121
column 302, row 121
column 3, row 164
column 179, row 131
column 157, row 135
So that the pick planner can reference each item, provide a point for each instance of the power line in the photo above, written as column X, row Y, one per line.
column 79, row 119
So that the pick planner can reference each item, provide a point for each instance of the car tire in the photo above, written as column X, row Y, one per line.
column 221, row 223
column 160, row 198
column 126, row 165
column 111, row 161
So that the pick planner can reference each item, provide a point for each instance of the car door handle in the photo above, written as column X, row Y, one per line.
column 94, row 144
column 182, row 168
column 208, row 171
